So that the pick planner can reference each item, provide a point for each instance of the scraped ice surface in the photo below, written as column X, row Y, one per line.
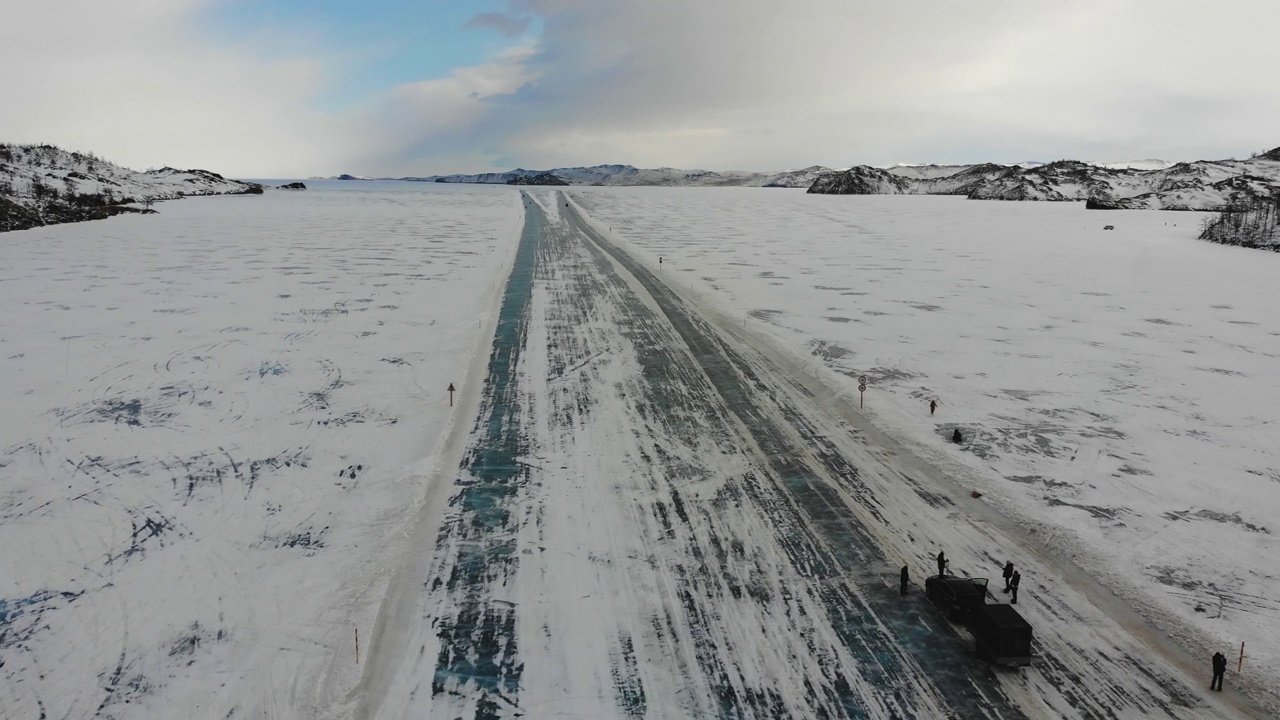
column 216, row 422
column 1119, row 391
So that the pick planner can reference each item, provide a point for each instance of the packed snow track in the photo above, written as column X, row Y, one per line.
column 657, row 515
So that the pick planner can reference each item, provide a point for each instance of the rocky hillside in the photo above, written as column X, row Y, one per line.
column 539, row 179
column 628, row 175
column 1201, row 185
column 802, row 178
column 1255, row 225
column 46, row 185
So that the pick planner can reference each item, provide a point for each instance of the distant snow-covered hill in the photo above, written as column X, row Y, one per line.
column 1149, row 164
column 628, row 175
column 46, row 185
column 618, row 176
column 1200, row 185
column 801, row 178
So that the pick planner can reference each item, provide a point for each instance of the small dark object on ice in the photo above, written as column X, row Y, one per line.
column 975, row 494
column 933, row 405
column 956, row 437
column 904, row 580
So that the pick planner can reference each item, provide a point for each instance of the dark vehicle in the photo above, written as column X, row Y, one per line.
column 958, row 596
column 1000, row 635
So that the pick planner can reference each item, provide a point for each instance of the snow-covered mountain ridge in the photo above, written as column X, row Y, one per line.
column 1140, row 185
column 46, row 185
column 628, row 175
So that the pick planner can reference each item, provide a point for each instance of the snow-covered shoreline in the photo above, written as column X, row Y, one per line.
column 46, row 185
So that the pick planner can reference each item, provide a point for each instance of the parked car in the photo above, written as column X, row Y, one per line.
column 957, row 596
column 1001, row 636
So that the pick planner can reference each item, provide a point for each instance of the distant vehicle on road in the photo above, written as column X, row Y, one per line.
column 1001, row 636
column 957, row 596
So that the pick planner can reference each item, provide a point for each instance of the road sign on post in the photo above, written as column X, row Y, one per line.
column 862, row 387
column 450, row 394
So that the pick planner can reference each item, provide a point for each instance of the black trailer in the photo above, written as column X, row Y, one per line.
column 957, row 596
column 1001, row 636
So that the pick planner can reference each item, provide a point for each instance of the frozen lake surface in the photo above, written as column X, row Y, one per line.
column 215, row 419
column 227, row 448
column 1119, row 390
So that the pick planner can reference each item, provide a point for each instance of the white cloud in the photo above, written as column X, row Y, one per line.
column 720, row 84
column 138, row 84
column 835, row 82
column 509, row 25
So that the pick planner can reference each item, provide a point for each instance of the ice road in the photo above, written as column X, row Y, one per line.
column 658, row 515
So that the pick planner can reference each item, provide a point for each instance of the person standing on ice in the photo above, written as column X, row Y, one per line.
column 1219, row 670
column 933, row 405
column 942, row 563
column 1008, row 574
column 1013, row 587
column 904, row 580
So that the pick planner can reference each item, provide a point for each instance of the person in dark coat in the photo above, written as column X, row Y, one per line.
column 955, row 436
column 942, row 563
column 1008, row 574
column 904, row 580
column 1219, row 670
column 1013, row 587
column 933, row 405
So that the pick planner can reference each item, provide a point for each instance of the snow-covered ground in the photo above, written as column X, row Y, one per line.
column 227, row 449
column 1118, row 390
column 217, row 424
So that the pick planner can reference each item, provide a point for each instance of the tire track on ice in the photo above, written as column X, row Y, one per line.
column 815, row 528
column 477, row 670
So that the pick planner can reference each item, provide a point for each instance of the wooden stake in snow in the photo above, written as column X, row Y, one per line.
column 357, row 646
column 450, row 394
column 1240, row 665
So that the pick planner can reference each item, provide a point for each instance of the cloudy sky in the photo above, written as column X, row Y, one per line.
column 285, row 88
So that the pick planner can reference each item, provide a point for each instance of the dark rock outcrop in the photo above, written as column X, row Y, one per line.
column 545, row 178
column 293, row 186
column 860, row 180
